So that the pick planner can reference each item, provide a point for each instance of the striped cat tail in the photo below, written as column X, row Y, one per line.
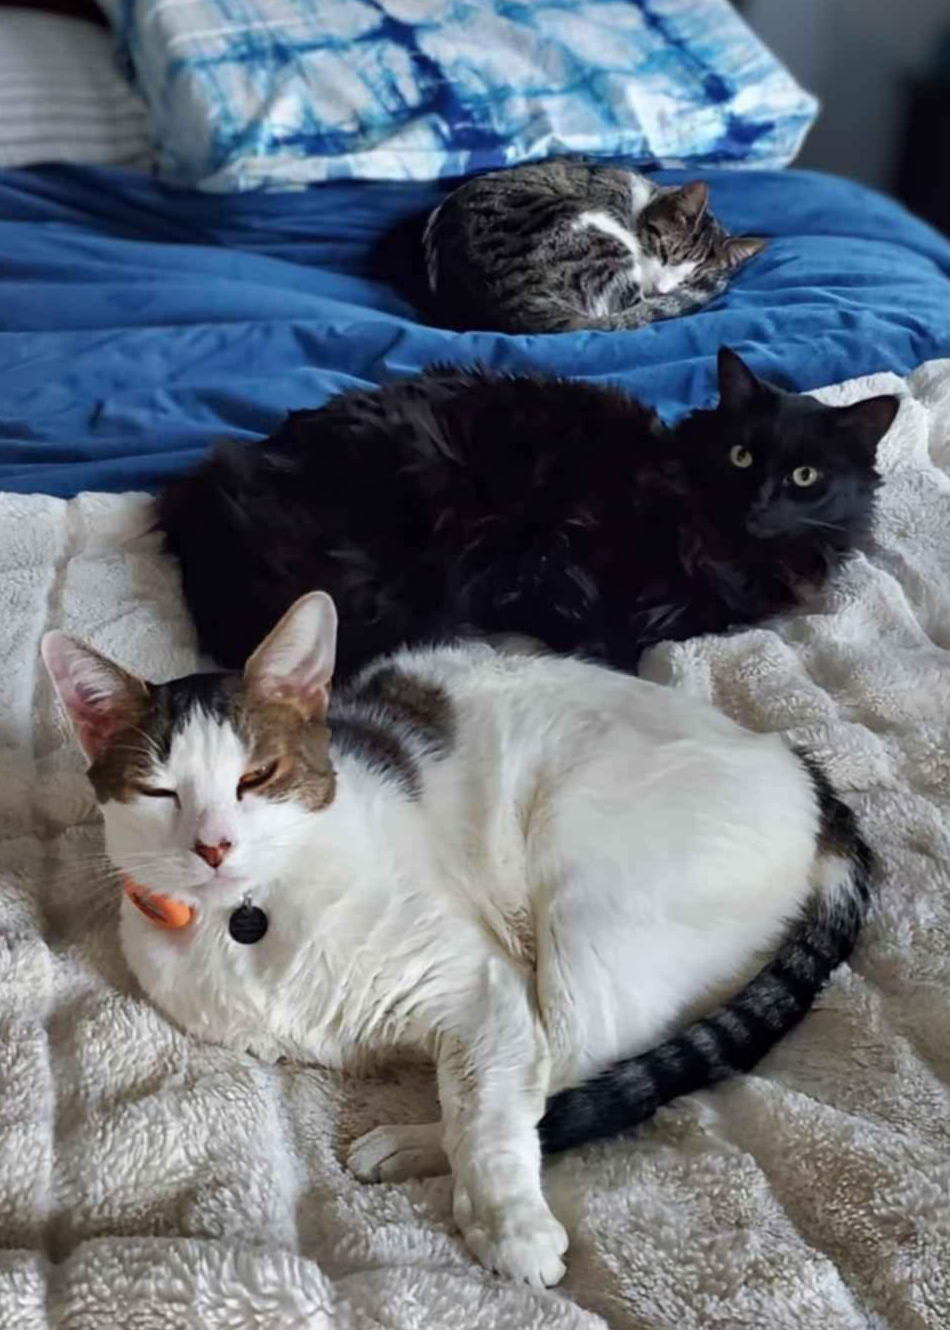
column 733, row 1038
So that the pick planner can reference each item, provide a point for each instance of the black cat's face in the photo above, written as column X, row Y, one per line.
column 782, row 466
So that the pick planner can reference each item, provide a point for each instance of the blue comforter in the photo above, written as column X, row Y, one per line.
column 139, row 323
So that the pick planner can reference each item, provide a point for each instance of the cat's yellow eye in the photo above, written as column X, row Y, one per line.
column 150, row 792
column 803, row 476
column 740, row 457
column 257, row 777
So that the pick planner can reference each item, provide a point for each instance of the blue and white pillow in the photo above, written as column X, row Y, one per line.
column 275, row 93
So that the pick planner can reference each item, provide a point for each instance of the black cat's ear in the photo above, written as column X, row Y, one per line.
column 868, row 421
column 739, row 249
column 738, row 386
column 692, row 201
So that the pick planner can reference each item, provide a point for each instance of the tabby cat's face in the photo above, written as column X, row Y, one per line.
column 684, row 243
column 781, row 465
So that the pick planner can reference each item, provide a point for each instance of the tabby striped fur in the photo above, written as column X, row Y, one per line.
column 566, row 244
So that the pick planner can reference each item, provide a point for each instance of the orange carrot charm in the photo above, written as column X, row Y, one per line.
column 164, row 911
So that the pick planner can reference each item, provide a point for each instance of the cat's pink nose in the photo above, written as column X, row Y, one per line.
column 212, row 854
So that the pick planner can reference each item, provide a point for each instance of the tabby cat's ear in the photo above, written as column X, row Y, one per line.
column 691, row 201
column 867, row 422
column 294, row 664
column 99, row 697
column 739, row 249
column 738, row 386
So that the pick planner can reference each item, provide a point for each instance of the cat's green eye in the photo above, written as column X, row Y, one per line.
column 150, row 792
column 740, row 457
column 253, row 780
column 803, row 476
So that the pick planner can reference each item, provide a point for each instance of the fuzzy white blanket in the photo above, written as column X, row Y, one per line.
column 150, row 1182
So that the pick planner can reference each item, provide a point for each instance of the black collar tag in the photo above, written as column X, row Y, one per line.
column 247, row 924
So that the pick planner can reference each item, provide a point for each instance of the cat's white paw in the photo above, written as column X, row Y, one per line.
column 390, row 1154
column 526, row 1245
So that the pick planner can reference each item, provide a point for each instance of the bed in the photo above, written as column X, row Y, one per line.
column 140, row 322
column 146, row 1179
column 149, row 1180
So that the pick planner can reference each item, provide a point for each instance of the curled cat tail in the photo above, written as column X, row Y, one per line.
column 733, row 1038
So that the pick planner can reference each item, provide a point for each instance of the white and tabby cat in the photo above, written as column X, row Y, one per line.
column 566, row 244
column 533, row 870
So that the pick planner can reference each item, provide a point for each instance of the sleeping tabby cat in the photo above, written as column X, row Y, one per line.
column 537, row 872
column 560, row 509
column 566, row 244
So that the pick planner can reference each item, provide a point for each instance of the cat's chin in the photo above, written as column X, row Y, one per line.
column 220, row 884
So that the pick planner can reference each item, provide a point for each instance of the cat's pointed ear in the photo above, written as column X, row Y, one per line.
column 739, row 249
column 738, row 386
column 867, row 422
column 99, row 697
column 294, row 664
column 692, row 200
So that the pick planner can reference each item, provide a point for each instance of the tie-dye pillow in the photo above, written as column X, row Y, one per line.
column 276, row 93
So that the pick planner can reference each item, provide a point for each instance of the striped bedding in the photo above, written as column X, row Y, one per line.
column 63, row 97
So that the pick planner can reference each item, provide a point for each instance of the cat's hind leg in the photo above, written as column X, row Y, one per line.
column 399, row 1151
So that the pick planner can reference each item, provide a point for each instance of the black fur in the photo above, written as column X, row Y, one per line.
column 566, row 510
column 739, row 1034
column 173, row 704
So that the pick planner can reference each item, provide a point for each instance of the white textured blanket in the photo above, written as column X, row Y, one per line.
column 149, row 1182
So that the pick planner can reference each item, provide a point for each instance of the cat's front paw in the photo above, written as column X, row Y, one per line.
column 525, row 1244
column 390, row 1154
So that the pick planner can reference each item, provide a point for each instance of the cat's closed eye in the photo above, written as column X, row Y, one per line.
column 152, row 792
column 740, row 457
column 803, row 476
column 258, row 776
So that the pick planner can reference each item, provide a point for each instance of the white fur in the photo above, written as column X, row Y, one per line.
column 642, row 192
column 597, row 220
column 660, row 278
column 595, row 857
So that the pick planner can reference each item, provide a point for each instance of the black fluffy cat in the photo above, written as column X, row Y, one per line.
column 462, row 500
